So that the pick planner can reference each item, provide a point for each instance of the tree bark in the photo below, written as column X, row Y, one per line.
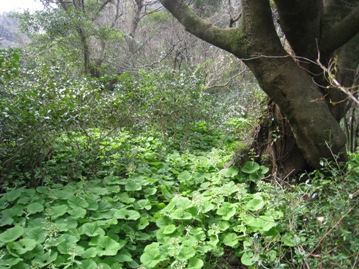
column 292, row 83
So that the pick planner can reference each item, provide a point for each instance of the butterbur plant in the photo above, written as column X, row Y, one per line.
column 72, row 226
column 179, row 211
column 149, row 206
column 195, row 228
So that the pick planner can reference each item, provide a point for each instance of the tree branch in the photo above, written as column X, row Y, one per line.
column 300, row 22
column 219, row 37
column 340, row 33
column 103, row 5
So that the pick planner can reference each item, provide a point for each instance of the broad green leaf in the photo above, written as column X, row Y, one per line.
column 144, row 204
column 20, row 265
column 104, row 206
column 45, row 259
column 34, row 208
column 106, row 266
column 125, row 198
column 88, row 264
column 112, row 180
column 36, row 222
column 68, row 243
column 227, row 211
column 218, row 251
column 66, row 224
column 56, row 211
column 184, row 176
column 255, row 177
column 206, row 206
column 78, row 212
column 24, row 245
column 149, row 191
column 152, row 255
column 91, row 229
column 250, row 167
column 124, row 256
column 6, row 220
column 109, row 214
column 133, row 186
column 15, row 211
column 163, row 221
column 186, row 253
column 75, row 201
column 9, row 262
column 143, row 223
column 169, row 229
column 195, row 263
column 23, row 200
column 248, row 258
column 198, row 234
column 63, row 194
column 255, row 204
column 108, row 246
column 123, row 213
column 90, row 253
column 93, row 205
column 262, row 223
column 229, row 172
column 99, row 191
column 36, row 233
column 264, row 170
column 223, row 225
column 14, row 194
column 142, row 236
column 11, row 234
column 181, row 214
column 179, row 202
column 230, row 239
column 43, row 189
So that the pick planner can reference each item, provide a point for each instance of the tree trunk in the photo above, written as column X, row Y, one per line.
column 297, row 85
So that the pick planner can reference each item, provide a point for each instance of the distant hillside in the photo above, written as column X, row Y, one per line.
column 10, row 37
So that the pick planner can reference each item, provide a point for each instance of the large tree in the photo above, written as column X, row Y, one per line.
column 297, row 75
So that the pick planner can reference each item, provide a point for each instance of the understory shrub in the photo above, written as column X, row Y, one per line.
column 40, row 107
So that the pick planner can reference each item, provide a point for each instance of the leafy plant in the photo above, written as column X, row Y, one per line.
column 9, row 65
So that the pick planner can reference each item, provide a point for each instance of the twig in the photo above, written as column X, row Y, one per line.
column 331, row 229
column 335, row 83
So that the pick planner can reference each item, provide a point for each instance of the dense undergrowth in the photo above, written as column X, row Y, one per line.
column 150, row 206
column 92, row 179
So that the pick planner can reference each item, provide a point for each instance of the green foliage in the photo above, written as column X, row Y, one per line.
column 50, row 125
column 9, row 65
column 107, row 221
column 152, row 207
column 173, row 102
column 64, row 37
column 39, row 106
column 137, row 178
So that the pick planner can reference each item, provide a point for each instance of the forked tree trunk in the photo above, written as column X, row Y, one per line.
column 297, row 85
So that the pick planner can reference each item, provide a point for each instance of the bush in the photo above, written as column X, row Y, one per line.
column 41, row 106
column 168, row 101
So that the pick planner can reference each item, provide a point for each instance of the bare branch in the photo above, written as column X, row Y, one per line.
column 232, row 16
column 103, row 5
column 334, row 83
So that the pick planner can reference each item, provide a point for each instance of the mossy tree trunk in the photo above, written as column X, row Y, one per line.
column 315, row 30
